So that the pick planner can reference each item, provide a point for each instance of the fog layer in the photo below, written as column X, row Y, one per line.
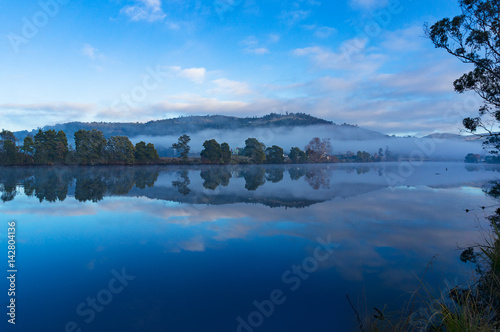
column 343, row 139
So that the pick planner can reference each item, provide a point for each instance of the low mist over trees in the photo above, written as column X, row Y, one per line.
column 93, row 148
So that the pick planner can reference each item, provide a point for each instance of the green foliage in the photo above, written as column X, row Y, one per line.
column 141, row 154
column 9, row 154
column 182, row 146
column 151, row 152
column 275, row 155
column 472, row 158
column 120, row 149
column 62, row 148
column 297, row 156
column 49, row 147
column 90, row 146
column 212, row 151
column 146, row 152
column 40, row 155
column 28, row 146
column 27, row 150
column 473, row 38
column 254, row 150
column 225, row 153
column 6, row 135
column 8, row 150
column 363, row 157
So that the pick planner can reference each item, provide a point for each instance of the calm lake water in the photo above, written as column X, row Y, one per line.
column 232, row 248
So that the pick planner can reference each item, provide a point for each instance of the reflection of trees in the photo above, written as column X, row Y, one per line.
column 145, row 178
column 492, row 189
column 92, row 184
column 8, row 192
column 254, row 177
column 362, row 169
column 183, row 183
column 296, row 172
column 48, row 184
column 119, row 181
column 8, row 185
column 214, row 177
column 318, row 178
column 473, row 168
column 90, row 187
column 275, row 174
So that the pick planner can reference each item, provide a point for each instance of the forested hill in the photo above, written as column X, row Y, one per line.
column 189, row 124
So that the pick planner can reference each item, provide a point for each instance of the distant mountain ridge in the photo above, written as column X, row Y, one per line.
column 188, row 124
column 448, row 136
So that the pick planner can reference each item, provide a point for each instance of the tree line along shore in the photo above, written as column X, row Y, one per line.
column 50, row 147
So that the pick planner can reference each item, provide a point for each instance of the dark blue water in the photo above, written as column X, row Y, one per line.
column 232, row 248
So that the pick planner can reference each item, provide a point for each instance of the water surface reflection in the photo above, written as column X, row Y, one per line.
column 206, row 242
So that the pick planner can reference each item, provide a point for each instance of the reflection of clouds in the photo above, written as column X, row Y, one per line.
column 91, row 265
column 414, row 223
column 195, row 244
column 380, row 232
column 69, row 208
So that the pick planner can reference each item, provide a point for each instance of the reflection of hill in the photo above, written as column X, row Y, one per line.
column 274, row 186
column 171, row 194
column 279, row 198
column 294, row 186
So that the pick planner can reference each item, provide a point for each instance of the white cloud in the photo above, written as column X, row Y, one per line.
column 231, row 87
column 353, row 55
column 251, row 44
column 324, row 32
column 292, row 17
column 91, row 52
column 145, row 10
column 321, row 32
column 196, row 75
column 250, row 41
column 274, row 38
column 258, row 51
column 30, row 116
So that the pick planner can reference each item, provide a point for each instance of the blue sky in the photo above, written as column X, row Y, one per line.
column 363, row 62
